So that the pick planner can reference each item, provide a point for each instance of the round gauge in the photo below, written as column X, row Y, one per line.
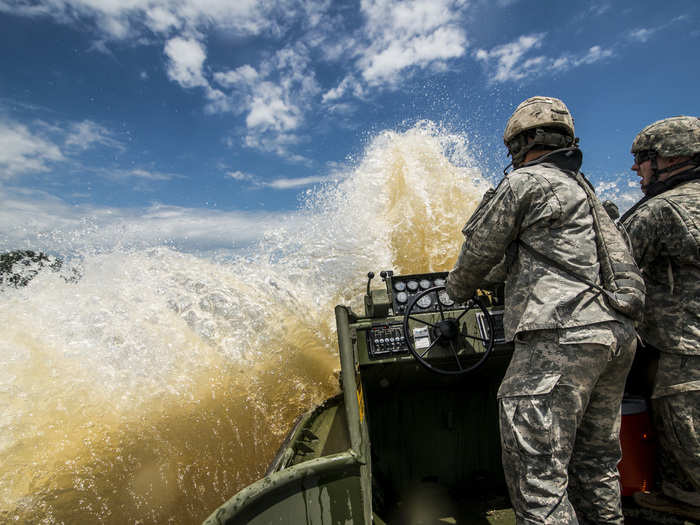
column 425, row 301
column 445, row 299
column 401, row 297
column 399, row 286
column 412, row 285
column 425, row 284
column 439, row 282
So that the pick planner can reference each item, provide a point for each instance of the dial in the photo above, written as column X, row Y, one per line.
column 425, row 301
column 425, row 284
column 401, row 297
column 412, row 285
column 445, row 299
column 439, row 282
column 399, row 286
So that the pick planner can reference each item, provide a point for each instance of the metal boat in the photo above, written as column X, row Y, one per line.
column 413, row 436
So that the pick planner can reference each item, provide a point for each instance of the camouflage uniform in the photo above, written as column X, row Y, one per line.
column 560, row 399
column 664, row 232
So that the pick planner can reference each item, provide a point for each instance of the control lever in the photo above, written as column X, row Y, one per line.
column 376, row 301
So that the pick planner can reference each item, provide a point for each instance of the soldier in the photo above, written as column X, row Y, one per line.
column 559, row 401
column 664, row 232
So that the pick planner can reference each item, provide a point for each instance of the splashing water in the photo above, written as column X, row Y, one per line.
column 160, row 383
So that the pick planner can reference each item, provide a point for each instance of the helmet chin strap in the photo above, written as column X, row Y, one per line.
column 521, row 145
column 655, row 183
column 656, row 172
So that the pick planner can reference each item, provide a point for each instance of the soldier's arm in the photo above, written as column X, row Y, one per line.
column 643, row 231
column 487, row 234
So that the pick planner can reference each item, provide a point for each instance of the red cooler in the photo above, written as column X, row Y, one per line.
column 638, row 447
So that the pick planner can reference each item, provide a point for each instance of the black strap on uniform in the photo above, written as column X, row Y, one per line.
column 557, row 264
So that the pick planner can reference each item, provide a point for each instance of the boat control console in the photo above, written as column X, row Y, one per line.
column 415, row 318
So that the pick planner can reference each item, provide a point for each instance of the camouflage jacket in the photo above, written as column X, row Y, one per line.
column 544, row 207
column 664, row 233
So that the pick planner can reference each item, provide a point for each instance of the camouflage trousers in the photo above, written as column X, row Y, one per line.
column 559, row 406
column 677, row 424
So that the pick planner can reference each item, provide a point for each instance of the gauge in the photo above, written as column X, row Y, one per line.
column 399, row 286
column 412, row 285
column 401, row 297
column 425, row 284
column 425, row 301
column 439, row 282
column 445, row 299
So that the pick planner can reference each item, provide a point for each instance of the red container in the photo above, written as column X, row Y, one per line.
column 638, row 447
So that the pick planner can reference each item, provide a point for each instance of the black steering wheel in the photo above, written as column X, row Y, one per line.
column 448, row 333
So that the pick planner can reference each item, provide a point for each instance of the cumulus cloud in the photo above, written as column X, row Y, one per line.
column 400, row 35
column 274, row 95
column 507, row 57
column 185, row 62
column 274, row 98
column 25, row 151
column 511, row 61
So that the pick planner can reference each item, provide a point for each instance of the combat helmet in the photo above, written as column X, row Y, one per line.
column 670, row 137
column 538, row 121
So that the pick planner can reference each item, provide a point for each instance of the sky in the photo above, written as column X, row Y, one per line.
column 205, row 121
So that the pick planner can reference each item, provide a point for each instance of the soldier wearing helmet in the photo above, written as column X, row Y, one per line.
column 664, row 233
column 559, row 401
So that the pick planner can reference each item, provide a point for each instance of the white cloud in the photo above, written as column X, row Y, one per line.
column 185, row 62
column 123, row 19
column 621, row 190
column 286, row 183
column 240, row 175
column 40, row 221
column 238, row 78
column 599, row 8
column 149, row 174
column 507, row 57
column 349, row 83
column 274, row 98
column 83, row 135
column 509, row 62
column 594, row 54
column 405, row 34
column 161, row 19
column 39, row 148
column 270, row 111
column 24, row 151
column 642, row 34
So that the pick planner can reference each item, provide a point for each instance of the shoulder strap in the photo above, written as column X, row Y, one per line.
column 560, row 265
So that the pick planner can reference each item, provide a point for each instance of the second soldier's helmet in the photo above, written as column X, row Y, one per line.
column 538, row 121
column 670, row 137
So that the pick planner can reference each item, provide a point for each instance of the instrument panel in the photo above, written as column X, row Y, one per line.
column 403, row 288
column 384, row 338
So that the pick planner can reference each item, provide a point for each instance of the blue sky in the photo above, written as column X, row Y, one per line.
column 216, row 115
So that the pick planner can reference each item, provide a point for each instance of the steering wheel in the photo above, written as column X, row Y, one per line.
column 446, row 333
